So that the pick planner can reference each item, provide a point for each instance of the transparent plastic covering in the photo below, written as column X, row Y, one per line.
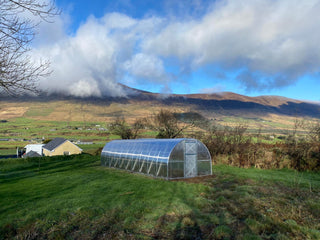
column 166, row 158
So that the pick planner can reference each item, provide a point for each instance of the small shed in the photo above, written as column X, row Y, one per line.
column 34, row 148
column 165, row 158
column 60, row 146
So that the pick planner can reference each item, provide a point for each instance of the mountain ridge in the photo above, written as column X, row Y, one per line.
column 267, row 99
column 209, row 105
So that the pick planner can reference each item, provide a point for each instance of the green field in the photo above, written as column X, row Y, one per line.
column 22, row 131
column 74, row 197
column 27, row 128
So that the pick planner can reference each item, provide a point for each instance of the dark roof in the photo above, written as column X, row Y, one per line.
column 32, row 154
column 54, row 143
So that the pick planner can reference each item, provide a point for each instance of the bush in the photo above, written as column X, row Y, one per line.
column 232, row 146
column 304, row 155
column 233, row 142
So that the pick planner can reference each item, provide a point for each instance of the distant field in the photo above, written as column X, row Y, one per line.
column 32, row 121
column 74, row 197
column 82, row 112
column 22, row 131
column 9, row 151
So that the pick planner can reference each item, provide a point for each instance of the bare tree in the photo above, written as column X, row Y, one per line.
column 138, row 126
column 121, row 128
column 167, row 125
column 18, row 73
column 314, row 132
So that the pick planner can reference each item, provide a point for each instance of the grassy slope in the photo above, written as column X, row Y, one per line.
column 76, row 193
column 102, row 112
column 73, row 197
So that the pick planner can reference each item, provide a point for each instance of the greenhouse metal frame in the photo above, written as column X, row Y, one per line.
column 164, row 158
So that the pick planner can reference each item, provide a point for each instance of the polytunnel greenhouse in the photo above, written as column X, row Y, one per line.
column 165, row 158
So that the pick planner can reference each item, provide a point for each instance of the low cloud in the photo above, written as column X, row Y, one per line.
column 269, row 44
column 213, row 90
column 146, row 67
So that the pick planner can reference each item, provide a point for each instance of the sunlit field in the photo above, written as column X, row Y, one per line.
column 75, row 197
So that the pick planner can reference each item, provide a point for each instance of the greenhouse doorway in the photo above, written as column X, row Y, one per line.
column 191, row 151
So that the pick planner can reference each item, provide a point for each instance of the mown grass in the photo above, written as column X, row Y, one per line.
column 288, row 177
column 266, row 209
column 74, row 197
column 75, row 192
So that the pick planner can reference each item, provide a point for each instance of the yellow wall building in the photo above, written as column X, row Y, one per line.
column 60, row 146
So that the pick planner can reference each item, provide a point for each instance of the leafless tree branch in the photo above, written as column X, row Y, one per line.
column 18, row 73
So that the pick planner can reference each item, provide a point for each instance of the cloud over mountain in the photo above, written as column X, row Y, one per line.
column 267, row 44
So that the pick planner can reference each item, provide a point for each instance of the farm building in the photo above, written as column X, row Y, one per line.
column 60, row 146
column 33, row 150
column 165, row 158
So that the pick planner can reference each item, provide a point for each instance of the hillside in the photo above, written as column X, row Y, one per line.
column 264, row 112
column 230, row 103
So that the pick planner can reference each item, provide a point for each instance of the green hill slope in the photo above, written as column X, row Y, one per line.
column 74, row 197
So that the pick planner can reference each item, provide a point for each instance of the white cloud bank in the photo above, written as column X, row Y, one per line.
column 269, row 43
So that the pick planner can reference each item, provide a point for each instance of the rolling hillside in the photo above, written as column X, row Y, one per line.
column 264, row 112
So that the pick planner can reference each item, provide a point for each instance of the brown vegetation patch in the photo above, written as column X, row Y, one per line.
column 12, row 112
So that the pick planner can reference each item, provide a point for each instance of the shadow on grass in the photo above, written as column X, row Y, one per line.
column 24, row 168
column 179, row 222
column 103, row 203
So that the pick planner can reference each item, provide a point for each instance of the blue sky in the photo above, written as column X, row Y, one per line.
column 259, row 47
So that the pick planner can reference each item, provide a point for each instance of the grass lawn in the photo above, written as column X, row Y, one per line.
column 74, row 197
